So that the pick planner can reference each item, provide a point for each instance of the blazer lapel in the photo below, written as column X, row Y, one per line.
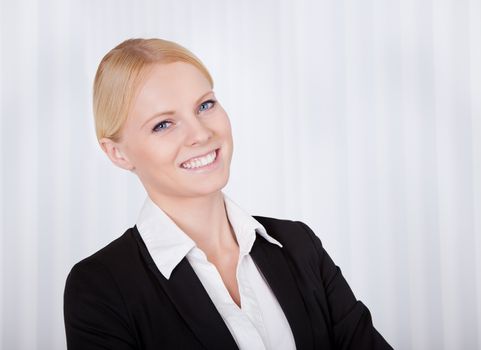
column 274, row 265
column 187, row 293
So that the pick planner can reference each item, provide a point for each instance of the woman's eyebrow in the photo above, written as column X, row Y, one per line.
column 156, row 115
column 204, row 95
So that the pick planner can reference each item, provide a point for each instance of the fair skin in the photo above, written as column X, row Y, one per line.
column 154, row 146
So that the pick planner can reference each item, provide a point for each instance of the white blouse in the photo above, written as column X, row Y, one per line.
column 260, row 323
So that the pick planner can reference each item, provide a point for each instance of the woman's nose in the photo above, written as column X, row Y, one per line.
column 198, row 133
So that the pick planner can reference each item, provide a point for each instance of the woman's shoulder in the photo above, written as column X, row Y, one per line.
column 116, row 256
column 294, row 235
column 96, row 307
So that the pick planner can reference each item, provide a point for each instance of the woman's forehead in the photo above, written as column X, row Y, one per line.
column 173, row 81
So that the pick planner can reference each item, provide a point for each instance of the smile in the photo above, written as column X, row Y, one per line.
column 201, row 162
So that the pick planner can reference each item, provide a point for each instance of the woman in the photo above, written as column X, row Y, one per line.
column 196, row 271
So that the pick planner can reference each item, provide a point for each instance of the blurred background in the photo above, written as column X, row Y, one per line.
column 360, row 118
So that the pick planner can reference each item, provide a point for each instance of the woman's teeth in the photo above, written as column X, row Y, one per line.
column 199, row 162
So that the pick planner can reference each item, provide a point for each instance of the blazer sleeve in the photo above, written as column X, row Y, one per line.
column 352, row 325
column 94, row 312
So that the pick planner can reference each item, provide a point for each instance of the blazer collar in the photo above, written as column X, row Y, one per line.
column 187, row 294
column 280, row 275
column 190, row 298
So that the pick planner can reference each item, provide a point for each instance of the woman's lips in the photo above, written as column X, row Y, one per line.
column 203, row 167
column 200, row 156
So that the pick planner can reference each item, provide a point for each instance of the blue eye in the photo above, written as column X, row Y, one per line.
column 158, row 127
column 206, row 105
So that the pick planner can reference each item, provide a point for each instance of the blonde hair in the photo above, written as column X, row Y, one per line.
column 120, row 73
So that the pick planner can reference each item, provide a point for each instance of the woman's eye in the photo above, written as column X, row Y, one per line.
column 160, row 126
column 206, row 105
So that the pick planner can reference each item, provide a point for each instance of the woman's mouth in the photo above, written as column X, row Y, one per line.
column 205, row 162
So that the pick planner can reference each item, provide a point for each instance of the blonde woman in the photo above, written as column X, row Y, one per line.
column 196, row 271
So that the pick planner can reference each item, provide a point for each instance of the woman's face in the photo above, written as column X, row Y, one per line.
column 177, row 138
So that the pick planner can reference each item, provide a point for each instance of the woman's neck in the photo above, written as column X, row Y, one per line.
column 203, row 219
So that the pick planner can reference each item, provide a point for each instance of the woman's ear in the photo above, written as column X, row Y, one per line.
column 113, row 150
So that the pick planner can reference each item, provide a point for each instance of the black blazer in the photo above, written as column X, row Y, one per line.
column 117, row 298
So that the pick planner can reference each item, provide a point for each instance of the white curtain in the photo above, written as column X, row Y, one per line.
column 360, row 118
